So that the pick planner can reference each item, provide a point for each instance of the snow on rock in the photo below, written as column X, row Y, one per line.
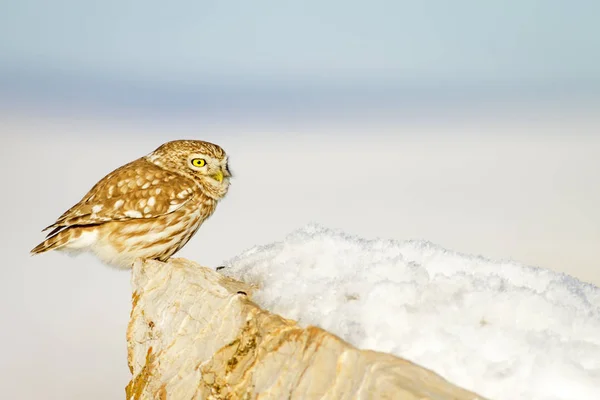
column 501, row 329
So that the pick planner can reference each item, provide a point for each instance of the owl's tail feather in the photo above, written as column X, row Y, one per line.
column 54, row 242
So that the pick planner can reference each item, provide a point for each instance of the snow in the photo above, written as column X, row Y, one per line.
column 504, row 330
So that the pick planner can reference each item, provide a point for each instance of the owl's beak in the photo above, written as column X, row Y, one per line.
column 218, row 176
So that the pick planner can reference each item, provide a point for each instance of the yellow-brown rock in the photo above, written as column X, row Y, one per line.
column 195, row 334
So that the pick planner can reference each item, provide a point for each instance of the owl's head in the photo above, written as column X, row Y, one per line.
column 204, row 162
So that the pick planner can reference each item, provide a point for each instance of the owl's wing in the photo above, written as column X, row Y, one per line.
column 137, row 190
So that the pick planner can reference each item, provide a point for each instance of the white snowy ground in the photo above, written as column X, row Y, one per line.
column 504, row 330
column 520, row 188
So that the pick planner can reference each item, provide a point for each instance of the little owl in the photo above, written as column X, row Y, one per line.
column 146, row 209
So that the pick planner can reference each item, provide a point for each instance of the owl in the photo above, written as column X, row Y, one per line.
column 148, row 209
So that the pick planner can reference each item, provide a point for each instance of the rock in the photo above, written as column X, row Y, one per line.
column 196, row 334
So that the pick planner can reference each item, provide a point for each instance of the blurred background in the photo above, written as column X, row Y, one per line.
column 474, row 125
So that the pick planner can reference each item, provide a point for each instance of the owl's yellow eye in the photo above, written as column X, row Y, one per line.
column 198, row 162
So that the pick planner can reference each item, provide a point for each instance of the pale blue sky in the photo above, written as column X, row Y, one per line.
column 334, row 40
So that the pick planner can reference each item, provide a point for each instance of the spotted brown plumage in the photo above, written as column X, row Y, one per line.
column 149, row 208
